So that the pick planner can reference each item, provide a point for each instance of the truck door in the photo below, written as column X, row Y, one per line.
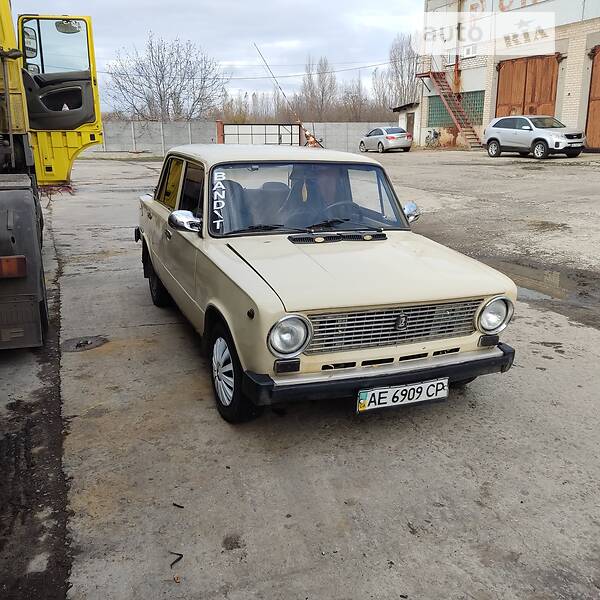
column 61, row 87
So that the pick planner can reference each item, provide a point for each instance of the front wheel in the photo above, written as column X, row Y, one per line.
column 494, row 149
column 362, row 147
column 380, row 148
column 541, row 150
column 232, row 405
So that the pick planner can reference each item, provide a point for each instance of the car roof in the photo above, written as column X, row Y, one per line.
column 212, row 154
column 526, row 117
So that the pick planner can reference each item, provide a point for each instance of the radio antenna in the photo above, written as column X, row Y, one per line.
column 311, row 140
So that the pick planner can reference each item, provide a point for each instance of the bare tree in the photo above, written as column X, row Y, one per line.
column 169, row 80
column 318, row 93
column 380, row 82
column 354, row 101
column 403, row 70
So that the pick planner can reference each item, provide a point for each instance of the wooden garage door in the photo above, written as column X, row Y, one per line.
column 527, row 86
column 593, row 122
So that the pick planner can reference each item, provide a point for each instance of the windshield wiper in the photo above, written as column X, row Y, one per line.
column 269, row 227
column 332, row 222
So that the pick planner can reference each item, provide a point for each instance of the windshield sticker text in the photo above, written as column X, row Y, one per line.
column 218, row 199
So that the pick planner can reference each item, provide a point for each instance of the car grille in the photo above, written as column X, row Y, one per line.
column 333, row 332
column 573, row 136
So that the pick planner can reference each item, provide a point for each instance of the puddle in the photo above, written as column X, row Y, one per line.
column 572, row 292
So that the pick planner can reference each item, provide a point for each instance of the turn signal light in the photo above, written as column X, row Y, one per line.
column 12, row 267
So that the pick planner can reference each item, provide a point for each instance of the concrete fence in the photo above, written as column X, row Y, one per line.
column 156, row 138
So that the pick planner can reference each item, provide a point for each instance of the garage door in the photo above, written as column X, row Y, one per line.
column 527, row 86
column 593, row 121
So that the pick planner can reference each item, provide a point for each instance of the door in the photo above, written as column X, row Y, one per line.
column 164, row 203
column 61, row 88
column 527, row 86
column 373, row 139
column 504, row 131
column 522, row 134
column 181, row 247
column 593, row 120
column 410, row 123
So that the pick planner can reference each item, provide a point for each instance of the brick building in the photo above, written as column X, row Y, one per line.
column 564, row 83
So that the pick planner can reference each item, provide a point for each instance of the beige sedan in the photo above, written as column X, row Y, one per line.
column 299, row 269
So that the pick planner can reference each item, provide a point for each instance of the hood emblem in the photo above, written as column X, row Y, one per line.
column 401, row 322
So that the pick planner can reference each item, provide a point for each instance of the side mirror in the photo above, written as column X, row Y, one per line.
column 526, row 128
column 412, row 212
column 30, row 42
column 184, row 220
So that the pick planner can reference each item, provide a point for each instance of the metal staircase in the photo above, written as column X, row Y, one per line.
column 454, row 107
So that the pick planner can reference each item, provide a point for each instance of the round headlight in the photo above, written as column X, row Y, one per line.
column 496, row 315
column 289, row 336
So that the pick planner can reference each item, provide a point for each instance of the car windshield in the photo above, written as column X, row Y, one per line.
column 298, row 196
column 395, row 130
column 547, row 123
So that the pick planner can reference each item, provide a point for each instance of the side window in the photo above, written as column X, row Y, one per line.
column 520, row 123
column 506, row 124
column 169, row 185
column 192, row 191
column 369, row 191
column 372, row 133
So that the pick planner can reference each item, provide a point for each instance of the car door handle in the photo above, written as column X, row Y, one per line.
column 150, row 215
column 168, row 234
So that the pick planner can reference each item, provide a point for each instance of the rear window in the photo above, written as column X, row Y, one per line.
column 395, row 130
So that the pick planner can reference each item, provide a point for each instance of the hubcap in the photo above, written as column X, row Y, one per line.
column 222, row 366
column 539, row 150
column 494, row 148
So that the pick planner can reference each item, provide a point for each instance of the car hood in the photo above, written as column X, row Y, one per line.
column 405, row 268
column 565, row 130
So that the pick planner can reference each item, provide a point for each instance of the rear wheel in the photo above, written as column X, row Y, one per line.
column 380, row 148
column 494, row 149
column 160, row 296
column 406, row 149
column 226, row 369
column 541, row 150
column 362, row 147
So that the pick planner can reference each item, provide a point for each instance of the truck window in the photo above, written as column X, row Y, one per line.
column 192, row 189
column 169, row 185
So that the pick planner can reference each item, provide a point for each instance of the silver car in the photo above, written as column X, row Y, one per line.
column 383, row 139
column 542, row 135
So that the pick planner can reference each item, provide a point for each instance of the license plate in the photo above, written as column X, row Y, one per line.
column 576, row 145
column 413, row 393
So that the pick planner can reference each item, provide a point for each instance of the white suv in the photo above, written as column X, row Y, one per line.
column 541, row 135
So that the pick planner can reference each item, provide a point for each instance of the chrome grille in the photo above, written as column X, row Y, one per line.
column 391, row 326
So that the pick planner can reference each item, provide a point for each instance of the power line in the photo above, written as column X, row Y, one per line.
column 259, row 77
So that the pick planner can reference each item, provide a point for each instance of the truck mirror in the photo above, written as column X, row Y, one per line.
column 31, row 45
column 68, row 26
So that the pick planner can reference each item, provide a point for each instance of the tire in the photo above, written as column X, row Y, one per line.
column 463, row 382
column 494, row 149
column 380, row 148
column 160, row 296
column 524, row 154
column 573, row 154
column 226, row 377
column 362, row 147
column 541, row 150
column 406, row 149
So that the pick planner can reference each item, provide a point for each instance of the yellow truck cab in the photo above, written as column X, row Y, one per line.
column 49, row 113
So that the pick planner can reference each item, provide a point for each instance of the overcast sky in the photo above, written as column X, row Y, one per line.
column 350, row 33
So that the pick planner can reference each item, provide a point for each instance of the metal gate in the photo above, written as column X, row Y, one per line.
column 270, row 134
column 527, row 86
column 593, row 120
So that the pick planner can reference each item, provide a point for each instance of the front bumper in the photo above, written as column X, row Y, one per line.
column 559, row 146
column 263, row 390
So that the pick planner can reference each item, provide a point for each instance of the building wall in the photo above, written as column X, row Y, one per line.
column 578, row 31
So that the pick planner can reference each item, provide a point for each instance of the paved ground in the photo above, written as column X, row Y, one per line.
column 491, row 495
